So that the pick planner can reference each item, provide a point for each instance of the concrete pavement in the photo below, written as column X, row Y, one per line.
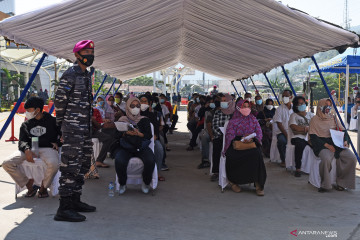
column 186, row 206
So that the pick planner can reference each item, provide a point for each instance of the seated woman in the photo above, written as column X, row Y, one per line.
column 117, row 111
column 135, row 143
column 265, row 117
column 299, row 124
column 259, row 106
column 244, row 166
column 159, row 150
column 324, row 147
column 106, row 111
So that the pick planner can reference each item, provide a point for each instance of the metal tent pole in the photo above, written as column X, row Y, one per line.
column 332, row 100
column 243, row 85
column 110, row 88
column 118, row 87
column 97, row 92
column 22, row 96
column 232, row 83
column 267, row 79
column 288, row 79
column 254, row 85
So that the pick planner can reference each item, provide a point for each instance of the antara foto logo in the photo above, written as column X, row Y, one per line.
column 294, row 233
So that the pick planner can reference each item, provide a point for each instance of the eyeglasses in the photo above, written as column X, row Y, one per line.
column 135, row 106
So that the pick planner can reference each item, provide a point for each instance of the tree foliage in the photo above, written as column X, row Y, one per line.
column 141, row 81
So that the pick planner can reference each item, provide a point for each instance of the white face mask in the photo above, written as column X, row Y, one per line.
column 286, row 100
column 135, row 111
column 144, row 107
column 30, row 115
column 248, row 99
column 269, row 107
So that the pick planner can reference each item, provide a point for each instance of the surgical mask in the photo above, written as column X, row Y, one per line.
column 269, row 107
column 286, row 100
column 259, row 102
column 245, row 111
column 248, row 99
column 212, row 105
column 162, row 100
column 101, row 103
column 153, row 105
column 144, row 107
column 117, row 100
column 87, row 60
column 324, row 108
column 302, row 108
column 135, row 111
column 224, row 105
column 198, row 100
column 30, row 115
column 334, row 94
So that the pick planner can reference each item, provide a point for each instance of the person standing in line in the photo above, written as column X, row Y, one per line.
column 73, row 113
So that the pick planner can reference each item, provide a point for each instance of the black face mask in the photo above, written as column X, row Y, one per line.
column 87, row 60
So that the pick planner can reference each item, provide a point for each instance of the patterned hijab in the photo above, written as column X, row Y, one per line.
column 321, row 123
column 231, row 108
column 129, row 118
column 106, row 108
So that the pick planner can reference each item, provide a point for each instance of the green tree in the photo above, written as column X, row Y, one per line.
column 141, row 81
column 14, row 81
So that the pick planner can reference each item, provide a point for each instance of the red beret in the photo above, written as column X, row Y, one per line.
column 84, row 44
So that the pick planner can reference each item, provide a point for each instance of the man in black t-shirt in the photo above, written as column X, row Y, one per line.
column 41, row 127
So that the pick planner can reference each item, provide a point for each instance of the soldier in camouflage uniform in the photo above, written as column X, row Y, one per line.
column 73, row 113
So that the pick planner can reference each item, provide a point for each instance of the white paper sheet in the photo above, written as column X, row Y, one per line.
column 121, row 126
column 338, row 138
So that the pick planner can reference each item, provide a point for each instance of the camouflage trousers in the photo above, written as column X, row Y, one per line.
column 75, row 162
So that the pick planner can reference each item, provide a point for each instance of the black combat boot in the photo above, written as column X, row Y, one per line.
column 66, row 211
column 81, row 206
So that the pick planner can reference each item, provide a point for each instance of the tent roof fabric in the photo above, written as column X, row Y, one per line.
column 338, row 63
column 228, row 38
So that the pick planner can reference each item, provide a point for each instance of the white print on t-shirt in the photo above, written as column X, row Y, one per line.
column 38, row 131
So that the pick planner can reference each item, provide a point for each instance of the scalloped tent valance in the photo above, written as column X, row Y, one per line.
column 228, row 38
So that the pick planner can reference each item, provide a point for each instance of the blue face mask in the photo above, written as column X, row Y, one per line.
column 212, row 105
column 101, row 103
column 153, row 105
column 198, row 100
column 259, row 102
column 162, row 100
column 302, row 108
column 224, row 105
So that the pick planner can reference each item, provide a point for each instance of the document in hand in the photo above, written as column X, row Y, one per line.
column 338, row 138
column 122, row 126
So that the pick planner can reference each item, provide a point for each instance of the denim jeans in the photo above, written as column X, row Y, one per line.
column 205, row 141
column 281, row 144
column 122, row 158
column 159, row 154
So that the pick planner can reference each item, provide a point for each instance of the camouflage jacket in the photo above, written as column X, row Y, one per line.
column 73, row 100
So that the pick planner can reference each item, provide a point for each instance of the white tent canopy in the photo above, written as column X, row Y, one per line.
column 228, row 38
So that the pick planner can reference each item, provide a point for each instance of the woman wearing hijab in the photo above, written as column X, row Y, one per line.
column 259, row 106
column 135, row 143
column 223, row 114
column 106, row 111
column 247, row 165
column 324, row 147
column 265, row 117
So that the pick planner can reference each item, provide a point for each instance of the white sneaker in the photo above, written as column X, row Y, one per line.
column 122, row 189
column 145, row 188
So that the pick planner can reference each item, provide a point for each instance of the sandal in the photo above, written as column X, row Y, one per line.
column 102, row 165
column 235, row 188
column 339, row 188
column 33, row 192
column 43, row 194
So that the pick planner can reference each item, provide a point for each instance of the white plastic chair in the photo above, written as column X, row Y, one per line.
column 314, row 163
column 274, row 151
column 136, row 167
column 290, row 152
column 211, row 147
column 353, row 124
column 37, row 172
column 97, row 145
column 223, row 181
